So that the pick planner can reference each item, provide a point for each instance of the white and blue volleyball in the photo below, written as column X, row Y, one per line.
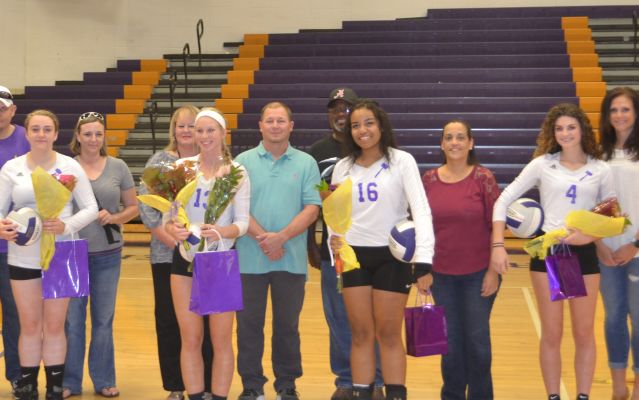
column 525, row 217
column 402, row 241
column 29, row 225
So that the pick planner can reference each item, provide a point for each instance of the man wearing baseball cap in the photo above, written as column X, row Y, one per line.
column 326, row 152
column 13, row 143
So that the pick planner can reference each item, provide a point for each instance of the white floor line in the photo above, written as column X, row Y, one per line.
column 537, row 323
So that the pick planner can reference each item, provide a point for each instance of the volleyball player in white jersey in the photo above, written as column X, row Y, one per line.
column 386, row 185
column 570, row 176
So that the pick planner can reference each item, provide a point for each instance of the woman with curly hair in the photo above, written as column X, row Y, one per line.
column 570, row 176
column 619, row 255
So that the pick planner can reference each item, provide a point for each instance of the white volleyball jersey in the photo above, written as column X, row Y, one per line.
column 17, row 186
column 626, row 176
column 561, row 190
column 382, row 194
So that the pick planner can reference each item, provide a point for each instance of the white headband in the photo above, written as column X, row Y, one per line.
column 213, row 115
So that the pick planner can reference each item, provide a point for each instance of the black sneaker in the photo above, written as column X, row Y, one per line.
column 287, row 394
column 27, row 392
column 251, row 394
column 55, row 393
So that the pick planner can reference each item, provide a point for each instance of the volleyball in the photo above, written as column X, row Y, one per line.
column 402, row 241
column 29, row 225
column 525, row 217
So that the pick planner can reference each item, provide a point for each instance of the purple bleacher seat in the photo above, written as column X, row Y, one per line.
column 448, row 75
column 486, row 154
column 431, row 104
column 402, row 62
column 611, row 11
column 67, row 121
column 407, row 90
column 75, row 92
column 64, row 106
column 419, row 120
column 405, row 137
column 453, row 24
column 414, row 49
column 64, row 136
column 108, row 78
column 494, row 35
column 129, row 65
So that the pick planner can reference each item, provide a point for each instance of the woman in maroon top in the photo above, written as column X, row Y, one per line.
column 461, row 194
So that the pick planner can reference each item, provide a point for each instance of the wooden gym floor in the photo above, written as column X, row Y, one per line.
column 515, row 334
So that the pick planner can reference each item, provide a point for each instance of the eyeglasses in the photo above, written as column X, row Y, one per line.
column 91, row 114
column 6, row 96
column 340, row 108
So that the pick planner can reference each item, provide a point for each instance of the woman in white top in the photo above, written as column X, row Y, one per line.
column 210, row 136
column 386, row 185
column 42, row 335
column 619, row 256
column 570, row 176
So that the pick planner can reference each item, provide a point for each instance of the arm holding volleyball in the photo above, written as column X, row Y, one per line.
column 420, row 211
column 527, row 179
column 7, row 228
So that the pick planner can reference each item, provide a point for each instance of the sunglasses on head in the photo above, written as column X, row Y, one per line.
column 91, row 114
column 6, row 95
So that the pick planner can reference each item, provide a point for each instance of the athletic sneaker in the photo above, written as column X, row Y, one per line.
column 287, row 394
column 252, row 394
column 55, row 393
column 175, row 395
column 378, row 393
column 342, row 394
column 27, row 392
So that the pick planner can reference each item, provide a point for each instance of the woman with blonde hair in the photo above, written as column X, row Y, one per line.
column 213, row 161
column 181, row 145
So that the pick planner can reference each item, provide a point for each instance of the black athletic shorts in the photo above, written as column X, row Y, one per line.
column 179, row 265
column 379, row 269
column 586, row 254
column 24, row 274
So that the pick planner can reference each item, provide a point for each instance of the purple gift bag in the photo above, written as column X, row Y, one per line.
column 68, row 273
column 426, row 331
column 564, row 275
column 216, row 287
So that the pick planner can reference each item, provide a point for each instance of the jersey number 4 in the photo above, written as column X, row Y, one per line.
column 572, row 193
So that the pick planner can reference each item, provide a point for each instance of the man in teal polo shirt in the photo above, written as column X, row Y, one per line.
column 284, row 202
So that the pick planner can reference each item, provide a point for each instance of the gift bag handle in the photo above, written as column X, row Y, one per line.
column 562, row 246
column 220, row 239
column 425, row 300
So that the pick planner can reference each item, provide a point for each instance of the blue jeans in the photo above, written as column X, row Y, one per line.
column 339, row 330
column 620, row 293
column 467, row 364
column 10, row 323
column 104, row 273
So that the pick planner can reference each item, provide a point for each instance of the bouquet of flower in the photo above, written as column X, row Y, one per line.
column 226, row 183
column 52, row 193
column 337, row 207
column 171, row 185
column 604, row 220
column 167, row 179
